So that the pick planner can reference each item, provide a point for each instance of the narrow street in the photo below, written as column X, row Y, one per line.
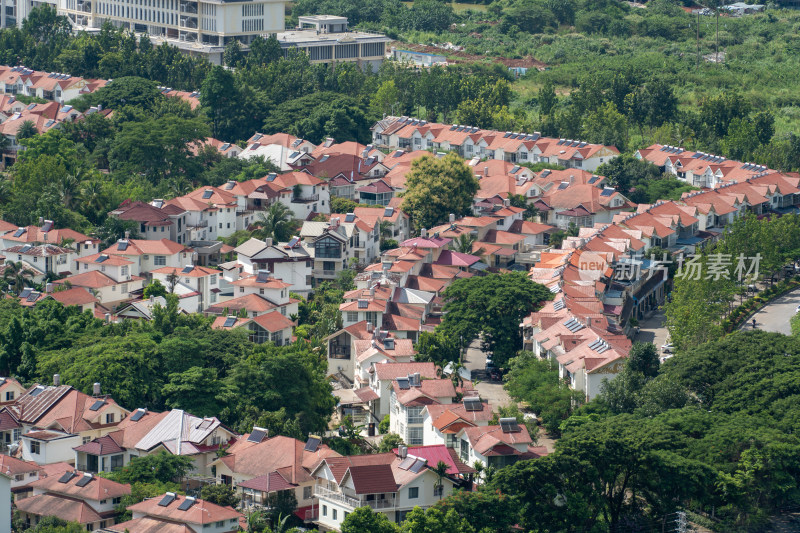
column 493, row 391
column 775, row 316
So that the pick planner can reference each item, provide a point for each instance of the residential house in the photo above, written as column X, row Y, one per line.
column 266, row 286
column 383, row 374
column 175, row 513
column 376, row 193
column 282, row 149
column 407, row 401
column 309, row 194
column 389, row 483
column 21, row 474
column 211, row 212
column 74, row 497
column 46, row 233
column 268, row 327
column 156, row 220
column 290, row 262
column 111, row 279
column 257, row 465
column 206, row 285
column 334, row 245
column 341, row 349
column 497, row 446
column 381, row 348
column 149, row 255
column 55, row 419
column 48, row 258
column 443, row 422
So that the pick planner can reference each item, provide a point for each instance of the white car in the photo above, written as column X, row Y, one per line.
column 668, row 348
column 797, row 310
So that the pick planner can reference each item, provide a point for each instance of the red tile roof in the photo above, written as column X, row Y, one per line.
column 202, row 512
column 63, row 508
column 373, row 479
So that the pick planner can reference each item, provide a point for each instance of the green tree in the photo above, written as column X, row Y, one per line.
column 26, row 130
column 154, row 288
column 274, row 224
column 435, row 520
column 389, row 442
column 224, row 495
column 162, row 467
column 197, row 390
column 547, row 98
column 233, row 55
column 493, row 306
column 386, row 98
column 491, row 510
column 435, row 188
column 365, row 519
column 220, row 101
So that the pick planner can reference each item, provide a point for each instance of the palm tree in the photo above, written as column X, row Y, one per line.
column 69, row 190
column 478, row 467
column 274, row 223
column 26, row 129
column 441, row 472
column 16, row 275
column 464, row 244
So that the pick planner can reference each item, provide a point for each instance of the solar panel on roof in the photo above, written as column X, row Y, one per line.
column 229, row 322
column 403, row 383
column 97, row 405
column 418, row 465
column 66, row 477
column 257, row 136
column 453, row 127
column 84, row 480
column 349, row 217
column 33, row 296
column 311, row 444
column 136, row 416
column 187, row 269
column 225, row 147
column 25, row 292
column 271, row 176
column 122, row 246
column 608, row 191
column 19, row 232
column 262, row 277
column 36, row 391
column 509, row 425
column 208, row 193
column 563, row 185
column 230, row 185
column 257, row 435
column 507, row 135
column 186, row 504
column 167, row 499
column 593, row 179
column 388, row 212
column 515, row 169
column 26, row 248
column 559, row 305
column 473, row 404
column 561, row 141
column 363, row 304
column 293, row 242
column 101, row 258
column 406, row 463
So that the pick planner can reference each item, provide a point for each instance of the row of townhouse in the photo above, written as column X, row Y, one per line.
column 605, row 276
column 699, row 169
column 413, row 134
column 58, row 87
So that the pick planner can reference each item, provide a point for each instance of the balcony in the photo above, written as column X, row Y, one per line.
column 323, row 273
column 322, row 492
column 190, row 22
column 353, row 503
column 305, row 198
column 190, row 7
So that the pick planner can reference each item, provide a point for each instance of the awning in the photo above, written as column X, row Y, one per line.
column 366, row 394
column 479, row 266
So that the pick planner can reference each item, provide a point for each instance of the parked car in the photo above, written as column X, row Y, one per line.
column 668, row 348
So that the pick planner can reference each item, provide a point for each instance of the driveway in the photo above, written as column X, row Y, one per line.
column 493, row 391
column 653, row 330
column 775, row 316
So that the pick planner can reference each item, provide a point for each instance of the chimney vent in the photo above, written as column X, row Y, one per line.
column 96, row 389
column 452, row 218
column 48, row 288
column 402, row 451
column 56, row 380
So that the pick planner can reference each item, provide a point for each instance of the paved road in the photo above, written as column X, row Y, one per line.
column 775, row 316
column 653, row 330
column 492, row 391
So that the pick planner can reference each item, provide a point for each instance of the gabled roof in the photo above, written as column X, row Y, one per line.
column 63, row 508
column 201, row 512
column 372, row 479
column 145, row 247
column 98, row 488
column 179, row 432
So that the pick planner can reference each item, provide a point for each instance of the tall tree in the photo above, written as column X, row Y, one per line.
column 435, row 188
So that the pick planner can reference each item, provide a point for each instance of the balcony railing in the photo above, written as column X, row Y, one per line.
column 323, row 273
column 303, row 198
column 322, row 492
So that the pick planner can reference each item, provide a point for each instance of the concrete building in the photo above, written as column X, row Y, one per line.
column 196, row 27
column 327, row 39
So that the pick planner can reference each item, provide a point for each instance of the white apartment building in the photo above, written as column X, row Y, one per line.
column 196, row 27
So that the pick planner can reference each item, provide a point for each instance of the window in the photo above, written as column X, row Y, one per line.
column 213, row 279
column 414, row 415
column 414, row 436
column 413, row 493
column 328, row 248
column 124, row 287
column 352, row 316
column 221, row 523
column 124, row 271
column 9, row 396
column 19, row 477
column 160, row 260
column 103, row 502
column 372, row 317
column 116, row 501
column 36, row 447
column 334, row 514
column 213, row 297
column 86, row 439
column 110, row 418
column 306, row 493
column 324, row 510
